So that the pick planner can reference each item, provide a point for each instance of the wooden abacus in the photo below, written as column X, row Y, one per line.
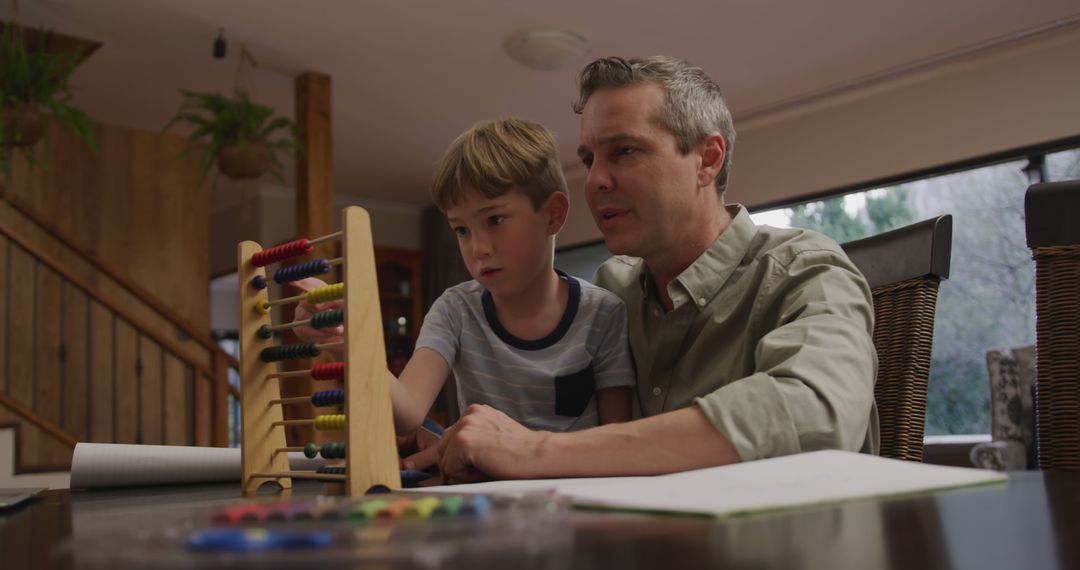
column 368, row 450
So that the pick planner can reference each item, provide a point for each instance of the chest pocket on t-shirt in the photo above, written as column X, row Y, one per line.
column 574, row 391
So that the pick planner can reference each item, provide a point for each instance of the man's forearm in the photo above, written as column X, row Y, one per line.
column 667, row 443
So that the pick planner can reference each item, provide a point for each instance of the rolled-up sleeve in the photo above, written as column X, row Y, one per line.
column 812, row 386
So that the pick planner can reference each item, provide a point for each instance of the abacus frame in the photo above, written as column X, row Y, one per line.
column 371, row 451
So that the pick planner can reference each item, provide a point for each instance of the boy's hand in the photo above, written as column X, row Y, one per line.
column 304, row 310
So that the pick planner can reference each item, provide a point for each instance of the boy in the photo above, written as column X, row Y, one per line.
column 521, row 337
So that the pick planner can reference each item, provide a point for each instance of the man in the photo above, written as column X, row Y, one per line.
column 749, row 342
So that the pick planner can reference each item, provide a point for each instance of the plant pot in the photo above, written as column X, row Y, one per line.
column 240, row 162
column 23, row 125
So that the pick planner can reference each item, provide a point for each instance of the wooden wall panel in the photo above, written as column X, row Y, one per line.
column 48, row 389
column 135, row 204
column 176, row 401
column 127, row 388
column 74, row 367
column 151, row 392
column 5, row 291
column 23, row 326
column 101, row 374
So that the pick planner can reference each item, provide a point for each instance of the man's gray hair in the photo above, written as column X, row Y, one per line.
column 694, row 106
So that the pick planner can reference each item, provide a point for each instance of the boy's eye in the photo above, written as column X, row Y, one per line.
column 461, row 231
column 496, row 220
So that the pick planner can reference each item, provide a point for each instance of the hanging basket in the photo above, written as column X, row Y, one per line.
column 23, row 125
column 243, row 161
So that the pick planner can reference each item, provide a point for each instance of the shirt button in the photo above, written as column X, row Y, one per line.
column 656, row 312
column 701, row 302
column 656, row 391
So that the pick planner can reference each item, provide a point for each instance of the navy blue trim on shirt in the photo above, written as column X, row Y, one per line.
column 540, row 343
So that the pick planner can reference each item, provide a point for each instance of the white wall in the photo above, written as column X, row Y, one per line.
column 995, row 101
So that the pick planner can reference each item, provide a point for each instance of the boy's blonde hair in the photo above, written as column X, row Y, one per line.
column 495, row 157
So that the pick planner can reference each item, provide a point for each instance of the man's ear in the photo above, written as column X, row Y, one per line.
column 558, row 207
column 713, row 152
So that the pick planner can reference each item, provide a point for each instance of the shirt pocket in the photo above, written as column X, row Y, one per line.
column 574, row 391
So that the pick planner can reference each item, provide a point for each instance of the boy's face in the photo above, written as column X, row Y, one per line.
column 505, row 243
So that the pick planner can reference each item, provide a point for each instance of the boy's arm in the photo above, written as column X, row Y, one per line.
column 613, row 404
column 413, row 393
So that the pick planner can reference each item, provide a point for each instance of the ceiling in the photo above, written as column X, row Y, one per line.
column 409, row 75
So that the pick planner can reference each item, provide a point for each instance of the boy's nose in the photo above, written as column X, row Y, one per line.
column 481, row 247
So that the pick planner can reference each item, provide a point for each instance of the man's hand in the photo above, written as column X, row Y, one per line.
column 304, row 310
column 486, row 444
column 419, row 450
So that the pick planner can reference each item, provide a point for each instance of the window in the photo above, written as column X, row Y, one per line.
column 989, row 299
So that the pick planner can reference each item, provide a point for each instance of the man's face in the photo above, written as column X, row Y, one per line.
column 639, row 188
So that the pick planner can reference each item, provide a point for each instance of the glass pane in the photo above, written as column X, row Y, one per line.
column 987, row 302
column 1063, row 165
column 582, row 261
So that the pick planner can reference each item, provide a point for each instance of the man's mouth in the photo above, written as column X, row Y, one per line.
column 610, row 215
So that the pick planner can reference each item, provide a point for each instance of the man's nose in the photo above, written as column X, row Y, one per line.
column 598, row 178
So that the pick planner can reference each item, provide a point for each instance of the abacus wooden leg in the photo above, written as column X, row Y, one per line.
column 259, row 437
column 372, row 451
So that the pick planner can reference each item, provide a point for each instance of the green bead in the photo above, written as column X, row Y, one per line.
column 311, row 450
column 264, row 332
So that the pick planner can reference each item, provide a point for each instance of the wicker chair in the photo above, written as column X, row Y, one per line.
column 1053, row 234
column 904, row 267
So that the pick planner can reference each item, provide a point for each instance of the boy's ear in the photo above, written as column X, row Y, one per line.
column 558, row 206
column 713, row 151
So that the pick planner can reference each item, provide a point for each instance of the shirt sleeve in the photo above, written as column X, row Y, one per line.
column 612, row 365
column 441, row 330
column 815, row 366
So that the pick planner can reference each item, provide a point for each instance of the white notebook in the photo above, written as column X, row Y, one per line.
column 805, row 479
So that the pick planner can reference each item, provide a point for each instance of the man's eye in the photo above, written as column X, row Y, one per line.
column 496, row 220
column 587, row 161
column 624, row 150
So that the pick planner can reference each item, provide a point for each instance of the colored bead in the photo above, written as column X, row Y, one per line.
column 325, row 398
column 259, row 282
column 331, row 470
column 333, row 450
column 289, row 352
column 449, row 507
column 422, row 508
column 324, row 294
column 478, row 506
column 311, row 450
column 330, row 422
column 284, row 251
column 263, row 307
column 326, row 319
column 265, row 332
column 301, row 270
column 328, row 371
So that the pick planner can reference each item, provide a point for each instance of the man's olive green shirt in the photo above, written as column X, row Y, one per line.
column 770, row 335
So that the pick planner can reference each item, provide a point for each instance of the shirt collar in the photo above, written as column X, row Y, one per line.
column 706, row 275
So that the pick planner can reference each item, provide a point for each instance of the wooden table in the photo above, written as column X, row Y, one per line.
column 1032, row 522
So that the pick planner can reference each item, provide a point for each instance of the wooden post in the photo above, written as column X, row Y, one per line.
column 314, row 214
column 219, row 416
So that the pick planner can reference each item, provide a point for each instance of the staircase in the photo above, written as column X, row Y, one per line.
column 86, row 354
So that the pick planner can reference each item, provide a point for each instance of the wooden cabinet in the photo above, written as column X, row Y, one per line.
column 400, row 278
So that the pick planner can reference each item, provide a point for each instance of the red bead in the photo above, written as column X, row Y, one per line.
column 328, row 371
column 284, row 251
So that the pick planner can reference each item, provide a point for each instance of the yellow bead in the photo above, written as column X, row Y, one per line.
column 263, row 307
column 324, row 294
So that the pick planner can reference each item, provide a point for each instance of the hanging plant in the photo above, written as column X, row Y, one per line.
column 35, row 81
column 244, row 138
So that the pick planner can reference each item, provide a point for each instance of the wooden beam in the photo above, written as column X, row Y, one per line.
column 314, row 212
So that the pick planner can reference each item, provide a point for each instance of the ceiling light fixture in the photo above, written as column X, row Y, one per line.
column 546, row 49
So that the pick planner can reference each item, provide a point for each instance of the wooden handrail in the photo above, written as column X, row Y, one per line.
column 43, row 424
column 201, row 337
column 143, row 328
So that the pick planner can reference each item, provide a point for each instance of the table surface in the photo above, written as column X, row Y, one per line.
column 1033, row 521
